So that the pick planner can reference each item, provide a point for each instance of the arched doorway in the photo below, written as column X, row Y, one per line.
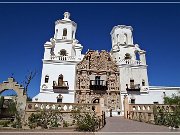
column 8, row 104
column 21, row 98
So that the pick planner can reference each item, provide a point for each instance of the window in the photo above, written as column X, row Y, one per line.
column 97, row 80
column 143, row 83
column 72, row 34
column 155, row 102
column 131, row 83
column 59, row 100
column 125, row 38
column 64, row 32
column 46, row 79
column 63, row 52
column 132, row 101
column 127, row 56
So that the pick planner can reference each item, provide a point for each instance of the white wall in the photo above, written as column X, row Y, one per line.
column 63, row 45
column 53, row 70
column 52, row 97
column 136, row 73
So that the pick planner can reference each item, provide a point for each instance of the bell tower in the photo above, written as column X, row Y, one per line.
column 61, row 55
column 130, row 59
column 65, row 29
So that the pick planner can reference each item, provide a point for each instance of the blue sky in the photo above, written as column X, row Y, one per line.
column 24, row 28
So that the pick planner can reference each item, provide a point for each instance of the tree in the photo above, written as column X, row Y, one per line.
column 173, row 100
column 28, row 78
column 173, row 118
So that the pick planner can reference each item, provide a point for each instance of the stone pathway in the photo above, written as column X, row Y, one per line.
column 119, row 124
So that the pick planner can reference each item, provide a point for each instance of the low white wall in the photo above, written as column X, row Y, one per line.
column 51, row 97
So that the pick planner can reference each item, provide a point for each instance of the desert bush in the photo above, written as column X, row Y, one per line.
column 5, row 123
column 43, row 119
column 86, row 122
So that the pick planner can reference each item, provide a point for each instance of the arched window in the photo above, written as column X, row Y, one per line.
column 127, row 56
column 72, row 34
column 46, row 79
column 64, row 32
column 63, row 52
column 59, row 98
column 125, row 38
column 143, row 82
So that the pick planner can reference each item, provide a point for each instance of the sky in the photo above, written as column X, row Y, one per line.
column 24, row 28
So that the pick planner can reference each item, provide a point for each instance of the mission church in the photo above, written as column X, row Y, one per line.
column 103, row 77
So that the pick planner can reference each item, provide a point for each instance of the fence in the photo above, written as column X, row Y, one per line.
column 64, row 112
column 150, row 113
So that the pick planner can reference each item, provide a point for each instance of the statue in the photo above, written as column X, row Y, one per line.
column 60, row 80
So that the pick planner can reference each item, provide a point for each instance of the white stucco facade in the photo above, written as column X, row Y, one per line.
column 61, row 55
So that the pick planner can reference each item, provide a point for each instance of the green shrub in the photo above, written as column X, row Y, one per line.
column 164, row 117
column 43, row 119
column 5, row 123
column 65, row 123
column 54, row 122
column 17, row 122
column 86, row 122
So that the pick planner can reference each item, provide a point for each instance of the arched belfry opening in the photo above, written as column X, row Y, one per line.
column 127, row 56
column 64, row 32
column 63, row 52
column 137, row 55
column 125, row 40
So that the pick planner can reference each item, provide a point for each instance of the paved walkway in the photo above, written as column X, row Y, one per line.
column 119, row 124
